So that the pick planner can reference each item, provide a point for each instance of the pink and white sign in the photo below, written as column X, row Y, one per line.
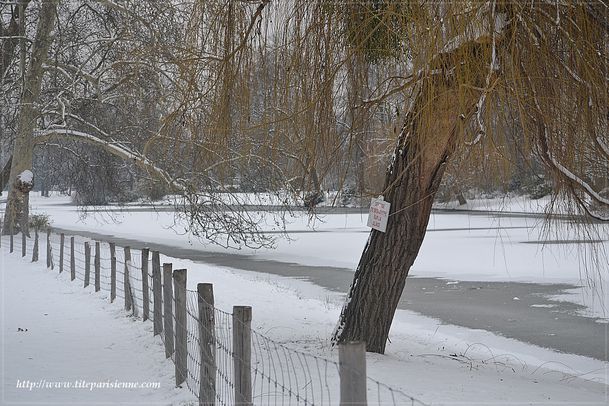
column 378, row 215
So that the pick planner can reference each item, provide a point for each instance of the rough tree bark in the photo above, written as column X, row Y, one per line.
column 17, row 206
column 6, row 173
column 429, row 135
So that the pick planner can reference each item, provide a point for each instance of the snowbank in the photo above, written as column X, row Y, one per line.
column 62, row 344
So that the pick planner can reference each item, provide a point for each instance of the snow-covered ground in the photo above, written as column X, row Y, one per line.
column 65, row 345
column 435, row 362
column 74, row 334
column 458, row 246
column 508, row 203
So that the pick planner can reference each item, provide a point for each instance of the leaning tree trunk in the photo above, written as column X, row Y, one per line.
column 428, row 137
column 17, row 205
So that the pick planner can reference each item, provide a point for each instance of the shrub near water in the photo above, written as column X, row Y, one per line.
column 39, row 222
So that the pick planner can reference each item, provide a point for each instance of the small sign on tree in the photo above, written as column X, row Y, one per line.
column 379, row 213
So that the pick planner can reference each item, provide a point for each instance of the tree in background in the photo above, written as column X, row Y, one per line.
column 115, row 77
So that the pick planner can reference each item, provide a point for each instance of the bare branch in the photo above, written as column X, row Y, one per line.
column 117, row 150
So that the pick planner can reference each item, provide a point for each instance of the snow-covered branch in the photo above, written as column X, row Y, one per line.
column 65, row 70
column 577, row 180
column 550, row 160
column 117, row 150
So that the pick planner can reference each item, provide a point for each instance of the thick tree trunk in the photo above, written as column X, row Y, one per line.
column 16, row 213
column 427, row 139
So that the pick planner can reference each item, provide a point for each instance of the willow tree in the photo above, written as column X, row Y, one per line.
column 255, row 86
column 472, row 63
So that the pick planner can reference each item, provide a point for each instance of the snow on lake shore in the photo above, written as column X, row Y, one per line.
column 458, row 246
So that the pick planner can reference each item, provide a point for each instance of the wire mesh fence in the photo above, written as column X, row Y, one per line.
column 217, row 354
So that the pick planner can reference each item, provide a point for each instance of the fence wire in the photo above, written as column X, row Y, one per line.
column 279, row 375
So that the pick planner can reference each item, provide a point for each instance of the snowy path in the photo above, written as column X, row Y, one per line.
column 56, row 333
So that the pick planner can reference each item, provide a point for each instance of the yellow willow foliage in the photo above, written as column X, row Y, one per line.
column 314, row 89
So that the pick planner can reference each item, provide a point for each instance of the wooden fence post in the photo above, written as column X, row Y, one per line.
column 112, row 249
column 112, row 272
column 97, row 267
column 126, row 283
column 23, row 243
column 132, row 296
column 157, row 293
column 181, row 343
column 62, row 238
column 35, row 248
column 87, row 263
column 49, row 252
column 112, row 279
column 242, row 359
column 352, row 372
column 145, row 292
column 72, row 260
column 168, row 310
column 11, row 242
column 207, row 338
